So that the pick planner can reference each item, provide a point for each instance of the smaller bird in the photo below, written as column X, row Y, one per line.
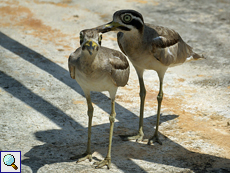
column 98, row 68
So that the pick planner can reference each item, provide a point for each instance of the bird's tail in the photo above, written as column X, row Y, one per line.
column 197, row 56
column 192, row 55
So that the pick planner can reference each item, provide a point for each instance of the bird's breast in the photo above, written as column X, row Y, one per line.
column 139, row 53
column 96, row 81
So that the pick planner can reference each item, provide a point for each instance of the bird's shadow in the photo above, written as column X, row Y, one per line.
column 60, row 145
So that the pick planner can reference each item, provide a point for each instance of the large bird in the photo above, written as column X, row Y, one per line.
column 148, row 47
column 98, row 68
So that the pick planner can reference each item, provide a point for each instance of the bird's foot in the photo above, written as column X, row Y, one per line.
column 105, row 162
column 138, row 137
column 82, row 157
column 153, row 139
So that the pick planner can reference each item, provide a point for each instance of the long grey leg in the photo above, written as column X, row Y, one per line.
column 155, row 137
column 107, row 160
column 140, row 135
column 88, row 153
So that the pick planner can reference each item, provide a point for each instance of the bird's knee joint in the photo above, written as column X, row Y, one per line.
column 142, row 93
column 112, row 118
column 90, row 111
column 160, row 97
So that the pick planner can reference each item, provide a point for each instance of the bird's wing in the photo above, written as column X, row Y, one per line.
column 72, row 62
column 169, row 48
column 164, row 37
column 119, row 68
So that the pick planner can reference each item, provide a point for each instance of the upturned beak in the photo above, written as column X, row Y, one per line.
column 90, row 46
column 111, row 26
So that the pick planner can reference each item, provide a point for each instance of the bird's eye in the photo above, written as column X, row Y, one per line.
column 99, row 39
column 81, row 38
column 127, row 18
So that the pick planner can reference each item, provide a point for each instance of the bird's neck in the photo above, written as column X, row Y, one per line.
column 133, row 34
column 132, row 39
column 86, row 59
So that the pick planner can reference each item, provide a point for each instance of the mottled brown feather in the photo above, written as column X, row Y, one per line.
column 72, row 62
column 119, row 68
column 168, row 47
column 164, row 37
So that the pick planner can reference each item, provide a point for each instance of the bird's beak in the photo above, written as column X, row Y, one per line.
column 111, row 26
column 90, row 46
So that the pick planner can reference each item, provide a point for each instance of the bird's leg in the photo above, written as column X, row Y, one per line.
column 155, row 137
column 88, row 153
column 140, row 135
column 107, row 160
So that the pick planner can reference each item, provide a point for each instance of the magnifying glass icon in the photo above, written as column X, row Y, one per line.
column 9, row 160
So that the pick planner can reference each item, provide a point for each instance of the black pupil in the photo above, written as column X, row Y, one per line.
column 127, row 18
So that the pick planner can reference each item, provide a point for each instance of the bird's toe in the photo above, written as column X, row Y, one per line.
column 154, row 139
column 105, row 162
column 82, row 157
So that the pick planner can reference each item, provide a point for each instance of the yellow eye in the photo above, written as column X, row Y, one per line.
column 127, row 18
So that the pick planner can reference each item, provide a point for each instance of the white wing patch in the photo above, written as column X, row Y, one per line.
column 157, row 38
column 189, row 59
column 170, row 53
column 116, row 57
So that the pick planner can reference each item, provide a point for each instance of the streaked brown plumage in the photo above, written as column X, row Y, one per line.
column 97, row 68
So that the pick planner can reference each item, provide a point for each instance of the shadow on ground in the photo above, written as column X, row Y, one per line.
column 60, row 145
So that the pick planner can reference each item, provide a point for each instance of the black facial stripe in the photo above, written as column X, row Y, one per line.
column 123, row 28
column 136, row 23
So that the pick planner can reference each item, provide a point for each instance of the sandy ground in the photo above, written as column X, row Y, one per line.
column 43, row 111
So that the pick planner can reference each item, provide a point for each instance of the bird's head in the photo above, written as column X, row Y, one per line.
column 124, row 20
column 90, row 41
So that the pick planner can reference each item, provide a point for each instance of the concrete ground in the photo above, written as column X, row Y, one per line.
column 43, row 111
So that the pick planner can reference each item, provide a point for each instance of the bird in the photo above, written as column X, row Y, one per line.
column 148, row 47
column 97, row 68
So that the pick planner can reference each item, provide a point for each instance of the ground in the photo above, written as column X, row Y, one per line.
column 43, row 110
